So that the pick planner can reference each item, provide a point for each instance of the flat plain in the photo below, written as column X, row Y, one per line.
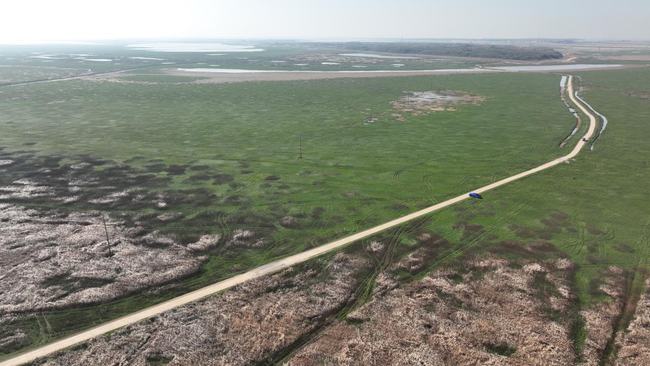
column 227, row 177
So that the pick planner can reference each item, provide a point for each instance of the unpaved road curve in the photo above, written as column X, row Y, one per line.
column 603, row 121
column 75, row 77
column 289, row 261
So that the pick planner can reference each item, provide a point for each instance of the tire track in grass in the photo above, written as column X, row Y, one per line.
column 634, row 287
column 388, row 256
column 359, row 297
column 471, row 243
column 580, row 243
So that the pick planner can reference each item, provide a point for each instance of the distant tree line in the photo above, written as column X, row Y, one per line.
column 453, row 49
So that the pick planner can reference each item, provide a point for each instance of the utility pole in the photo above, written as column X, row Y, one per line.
column 300, row 144
column 108, row 241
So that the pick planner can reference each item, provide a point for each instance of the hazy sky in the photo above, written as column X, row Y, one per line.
column 46, row 20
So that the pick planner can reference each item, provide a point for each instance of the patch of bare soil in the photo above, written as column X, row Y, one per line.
column 601, row 319
column 57, row 261
column 634, row 345
column 489, row 313
column 426, row 102
column 241, row 327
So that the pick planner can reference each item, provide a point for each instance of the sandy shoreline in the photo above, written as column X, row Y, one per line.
column 234, row 75
column 219, row 75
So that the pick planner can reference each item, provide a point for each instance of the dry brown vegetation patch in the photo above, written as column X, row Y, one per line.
column 243, row 326
column 509, row 315
column 601, row 318
column 418, row 103
column 634, row 346
column 51, row 261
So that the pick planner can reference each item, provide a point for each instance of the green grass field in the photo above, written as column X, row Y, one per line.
column 602, row 193
column 235, row 149
column 594, row 210
column 249, row 134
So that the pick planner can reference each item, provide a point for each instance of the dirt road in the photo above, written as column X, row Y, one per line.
column 292, row 260
column 67, row 78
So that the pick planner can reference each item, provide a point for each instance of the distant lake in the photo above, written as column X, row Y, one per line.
column 192, row 47
column 374, row 55
column 531, row 68
column 571, row 67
